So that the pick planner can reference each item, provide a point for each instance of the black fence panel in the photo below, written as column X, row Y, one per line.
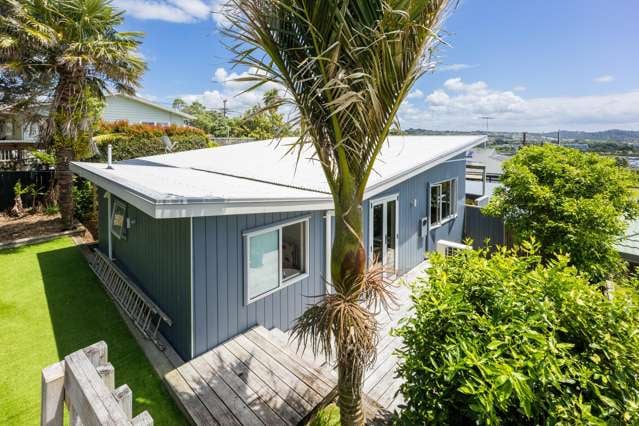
column 41, row 179
column 481, row 228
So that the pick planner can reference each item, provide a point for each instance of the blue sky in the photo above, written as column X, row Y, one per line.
column 531, row 65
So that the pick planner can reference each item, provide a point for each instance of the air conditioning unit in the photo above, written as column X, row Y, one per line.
column 448, row 248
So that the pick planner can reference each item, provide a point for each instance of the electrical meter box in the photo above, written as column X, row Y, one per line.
column 423, row 227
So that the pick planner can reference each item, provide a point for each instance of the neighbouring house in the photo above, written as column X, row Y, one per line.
column 226, row 238
column 16, row 127
column 490, row 159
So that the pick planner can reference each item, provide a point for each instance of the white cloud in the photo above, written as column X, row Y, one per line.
column 231, row 90
column 415, row 94
column 606, row 78
column 457, row 85
column 178, row 11
column 454, row 67
column 438, row 98
column 458, row 106
column 519, row 89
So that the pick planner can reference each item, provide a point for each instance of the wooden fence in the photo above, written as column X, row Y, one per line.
column 481, row 228
column 84, row 381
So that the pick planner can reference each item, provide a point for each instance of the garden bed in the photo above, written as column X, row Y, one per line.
column 32, row 226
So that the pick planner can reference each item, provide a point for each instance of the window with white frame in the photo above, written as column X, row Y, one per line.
column 275, row 257
column 443, row 201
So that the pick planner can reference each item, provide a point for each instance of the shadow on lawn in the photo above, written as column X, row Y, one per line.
column 81, row 314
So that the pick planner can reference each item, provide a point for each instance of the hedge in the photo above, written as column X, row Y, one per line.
column 141, row 140
column 507, row 339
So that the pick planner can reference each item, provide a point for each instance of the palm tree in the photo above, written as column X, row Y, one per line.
column 346, row 66
column 77, row 44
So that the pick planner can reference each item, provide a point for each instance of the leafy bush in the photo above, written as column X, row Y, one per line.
column 85, row 204
column 327, row 416
column 141, row 140
column 571, row 202
column 512, row 340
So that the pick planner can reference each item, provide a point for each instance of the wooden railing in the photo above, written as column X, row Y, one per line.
column 85, row 382
column 17, row 154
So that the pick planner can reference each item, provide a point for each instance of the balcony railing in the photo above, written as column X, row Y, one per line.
column 17, row 154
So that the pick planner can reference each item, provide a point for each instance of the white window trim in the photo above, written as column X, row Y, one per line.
column 453, row 207
column 281, row 283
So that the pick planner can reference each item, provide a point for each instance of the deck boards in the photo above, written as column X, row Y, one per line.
column 250, row 380
column 380, row 382
column 260, row 378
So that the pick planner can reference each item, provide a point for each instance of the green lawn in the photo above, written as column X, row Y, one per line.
column 51, row 304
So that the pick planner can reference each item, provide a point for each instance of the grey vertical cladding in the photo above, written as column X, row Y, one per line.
column 412, row 247
column 218, row 278
column 156, row 255
column 481, row 228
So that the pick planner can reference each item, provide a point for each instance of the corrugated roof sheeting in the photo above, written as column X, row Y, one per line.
column 261, row 171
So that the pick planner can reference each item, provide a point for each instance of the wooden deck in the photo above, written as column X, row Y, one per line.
column 260, row 378
column 251, row 379
column 381, row 384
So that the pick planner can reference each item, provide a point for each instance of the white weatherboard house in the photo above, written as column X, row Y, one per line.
column 226, row 238
column 14, row 127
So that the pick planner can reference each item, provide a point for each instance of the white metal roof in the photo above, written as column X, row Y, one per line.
column 256, row 177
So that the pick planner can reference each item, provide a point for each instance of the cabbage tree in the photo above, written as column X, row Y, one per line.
column 345, row 66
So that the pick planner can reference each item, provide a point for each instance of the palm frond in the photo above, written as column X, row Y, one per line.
column 346, row 65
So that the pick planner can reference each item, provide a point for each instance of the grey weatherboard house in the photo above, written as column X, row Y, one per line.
column 226, row 238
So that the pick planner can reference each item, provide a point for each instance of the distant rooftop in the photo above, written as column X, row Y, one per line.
column 629, row 246
column 489, row 158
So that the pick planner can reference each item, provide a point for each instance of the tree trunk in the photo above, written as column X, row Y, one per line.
column 64, row 184
column 17, row 210
column 350, row 376
column 348, row 261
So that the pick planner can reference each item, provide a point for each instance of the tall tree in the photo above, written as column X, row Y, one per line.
column 76, row 43
column 346, row 65
column 571, row 202
column 179, row 104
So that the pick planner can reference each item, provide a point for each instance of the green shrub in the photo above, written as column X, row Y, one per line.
column 141, row 140
column 85, row 204
column 569, row 201
column 327, row 416
column 51, row 210
column 511, row 340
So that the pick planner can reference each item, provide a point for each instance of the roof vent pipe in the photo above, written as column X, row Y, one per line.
column 109, row 157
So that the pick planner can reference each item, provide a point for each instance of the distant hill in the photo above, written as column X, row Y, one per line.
column 606, row 135
column 612, row 135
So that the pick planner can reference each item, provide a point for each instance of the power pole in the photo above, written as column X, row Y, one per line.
column 486, row 118
column 558, row 139
column 523, row 139
column 224, row 108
